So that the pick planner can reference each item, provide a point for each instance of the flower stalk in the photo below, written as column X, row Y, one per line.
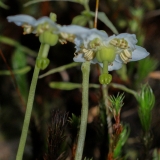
column 84, row 112
column 43, row 51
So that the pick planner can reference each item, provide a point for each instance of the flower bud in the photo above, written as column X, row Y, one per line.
column 106, row 54
column 105, row 78
column 48, row 38
column 53, row 17
column 42, row 63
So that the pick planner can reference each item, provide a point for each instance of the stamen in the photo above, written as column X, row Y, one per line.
column 94, row 43
column 88, row 54
column 76, row 54
column 62, row 41
column 126, row 55
column 45, row 26
column 68, row 37
column 114, row 42
column 121, row 43
column 27, row 29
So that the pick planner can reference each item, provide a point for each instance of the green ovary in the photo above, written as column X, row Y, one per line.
column 48, row 38
column 105, row 78
column 106, row 54
column 42, row 63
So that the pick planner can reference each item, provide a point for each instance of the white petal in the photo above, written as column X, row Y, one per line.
column 106, row 42
column 139, row 53
column 92, row 34
column 21, row 19
column 115, row 66
column 118, row 59
column 130, row 38
column 78, row 42
column 100, row 33
column 45, row 19
column 73, row 29
column 79, row 58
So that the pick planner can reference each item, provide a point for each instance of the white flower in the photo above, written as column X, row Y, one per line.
column 124, row 44
column 30, row 24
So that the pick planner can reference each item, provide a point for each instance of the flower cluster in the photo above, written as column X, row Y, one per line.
column 91, row 44
column 31, row 25
column 123, row 46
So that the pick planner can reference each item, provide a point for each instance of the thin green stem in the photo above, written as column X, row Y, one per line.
column 29, row 107
column 86, row 6
column 45, row 50
column 105, row 67
column 124, row 88
column 105, row 99
column 59, row 69
column 84, row 111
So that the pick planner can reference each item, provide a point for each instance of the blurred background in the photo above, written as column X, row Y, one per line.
column 52, row 104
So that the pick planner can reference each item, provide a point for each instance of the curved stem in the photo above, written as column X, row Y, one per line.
column 124, row 88
column 59, row 69
column 84, row 111
column 31, row 95
column 86, row 6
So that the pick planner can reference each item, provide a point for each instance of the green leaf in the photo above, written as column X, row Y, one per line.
column 20, row 71
column 74, row 121
column 102, row 17
column 19, row 63
column 80, row 20
column 69, row 85
column 156, row 154
column 14, row 43
column 121, row 141
column 3, row 5
column 146, row 66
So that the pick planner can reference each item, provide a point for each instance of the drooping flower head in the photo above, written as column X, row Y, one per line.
column 44, row 27
column 109, row 52
column 31, row 25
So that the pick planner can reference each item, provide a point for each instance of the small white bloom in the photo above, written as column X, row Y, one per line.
column 128, row 52
column 124, row 44
column 30, row 24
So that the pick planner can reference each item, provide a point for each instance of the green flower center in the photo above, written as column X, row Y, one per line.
column 94, row 43
column 48, row 38
column 106, row 54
